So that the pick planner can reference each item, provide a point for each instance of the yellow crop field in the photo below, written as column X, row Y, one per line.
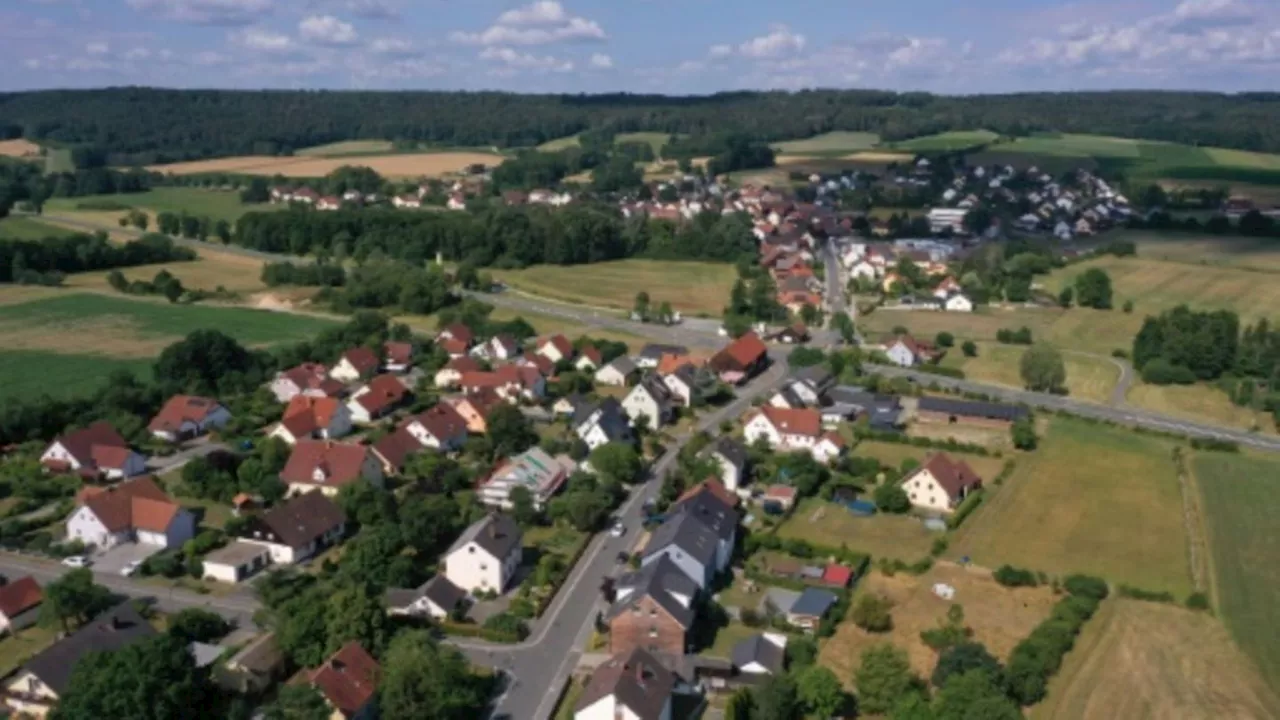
column 393, row 166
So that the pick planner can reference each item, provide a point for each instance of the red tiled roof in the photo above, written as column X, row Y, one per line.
column 136, row 504
column 400, row 353
column 746, row 349
column 348, row 679
column 362, row 359
column 463, row 364
column 542, row 363
column 591, row 353
column 953, row 475
column 383, row 393
column 710, row 485
column 459, row 332
column 802, row 421
column 98, row 445
column 305, row 414
column 20, row 596
column 340, row 463
column 453, row 346
column 441, row 420
column 394, row 448
column 313, row 376
column 180, row 409
column 834, row 438
column 780, row 492
column 837, row 575
column 560, row 343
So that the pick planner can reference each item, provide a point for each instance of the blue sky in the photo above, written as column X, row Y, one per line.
column 669, row 46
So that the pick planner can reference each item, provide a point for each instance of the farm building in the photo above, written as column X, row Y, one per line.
column 949, row 411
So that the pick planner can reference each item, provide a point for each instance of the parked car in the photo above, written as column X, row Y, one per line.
column 618, row 529
column 130, row 568
column 76, row 561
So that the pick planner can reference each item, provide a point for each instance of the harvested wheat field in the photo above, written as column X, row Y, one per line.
column 209, row 271
column 1138, row 660
column 403, row 166
column 19, row 148
column 872, row 156
column 999, row 617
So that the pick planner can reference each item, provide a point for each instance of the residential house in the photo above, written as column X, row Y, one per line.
column 255, row 668
column 96, row 451
column 713, row 505
column 310, row 379
column 650, row 399
column 651, row 354
column 436, row 598
column 617, row 372
column 958, row 302
column 511, row 382
column 297, row 528
column 906, row 351
column 950, row 411
column 186, row 416
column 329, row 466
column 534, row 470
column 543, row 364
column 397, row 356
column 683, row 384
column 740, row 360
column 788, row 430
column 810, row 607
column 355, row 364
column 601, row 423
column 781, row 496
column 653, row 609
column 329, row 203
column 589, row 359
column 235, row 562
column 498, row 347
column 133, row 511
column 793, row 334
column 569, row 405
column 309, row 417
column 19, row 604
column 633, row 686
column 451, row 374
column 732, row 458
column 377, row 399
column 810, row 384
column 440, row 427
column 34, row 689
column 689, row 543
column 846, row 402
column 486, row 555
column 941, row 483
column 556, row 348
column 406, row 201
column 348, row 681
column 946, row 288
column 761, row 654
column 456, row 339
column 475, row 408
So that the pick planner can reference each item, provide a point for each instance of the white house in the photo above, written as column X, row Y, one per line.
column 650, row 399
column 310, row 379
column 731, row 457
column 440, row 427
column 959, row 302
column 941, row 483
column 329, row 466
column 864, row 270
column 308, row 417
column 617, row 372
column 355, row 364
column 629, row 686
column 534, row 470
column 683, row 384
column 556, row 348
column 790, row 430
column 486, row 555
column 761, row 654
column 19, row 604
column 298, row 528
column 97, row 450
column 133, row 511
column 498, row 347
column 188, row 416
column 436, row 598
column 451, row 374
column 688, row 542
column 238, row 561
column 600, row 424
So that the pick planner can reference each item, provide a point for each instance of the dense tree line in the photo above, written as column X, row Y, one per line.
column 382, row 283
column 1250, row 224
column 27, row 182
column 494, row 235
column 20, row 259
column 1181, row 345
column 184, row 124
column 308, row 274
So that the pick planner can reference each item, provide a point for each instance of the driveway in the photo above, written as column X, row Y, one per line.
column 111, row 562
column 199, row 447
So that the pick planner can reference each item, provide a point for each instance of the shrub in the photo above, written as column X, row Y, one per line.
column 1148, row 595
column 945, row 339
column 891, row 498
column 1086, row 586
column 939, row 546
column 871, row 613
column 1010, row 576
column 969, row 348
column 1160, row 371
column 1198, row 601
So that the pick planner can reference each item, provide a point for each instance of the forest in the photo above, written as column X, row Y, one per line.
column 508, row 237
column 44, row 262
column 137, row 126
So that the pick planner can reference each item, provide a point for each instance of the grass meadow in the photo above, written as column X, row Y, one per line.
column 1092, row 498
column 947, row 141
column 899, row 537
column 1089, row 377
column 347, row 147
column 29, row 374
column 1239, row 494
column 836, row 142
column 21, row 227
column 690, row 287
column 217, row 204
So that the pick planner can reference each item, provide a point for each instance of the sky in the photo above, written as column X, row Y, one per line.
column 656, row 46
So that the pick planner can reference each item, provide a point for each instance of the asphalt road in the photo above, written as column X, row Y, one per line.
column 538, row 667
column 237, row 607
column 835, row 288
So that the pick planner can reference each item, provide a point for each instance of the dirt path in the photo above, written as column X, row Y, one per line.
column 1197, row 551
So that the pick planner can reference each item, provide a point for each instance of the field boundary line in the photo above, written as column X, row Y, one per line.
column 1210, row 576
column 1193, row 520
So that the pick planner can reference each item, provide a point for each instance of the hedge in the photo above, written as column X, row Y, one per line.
column 969, row 504
column 1038, row 657
column 450, row 627
column 570, row 563
column 944, row 371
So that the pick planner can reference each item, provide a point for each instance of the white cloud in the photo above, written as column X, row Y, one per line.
column 526, row 61
column 137, row 53
column 97, row 48
column 601, row 61
column 206, row 12
column 720, row 51
column 540, row 23
column 391, row 46
column 375, row 9
column 779, row 41
column 327, row 30
column 263, row 40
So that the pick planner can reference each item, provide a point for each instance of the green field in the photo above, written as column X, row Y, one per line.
column 655, row 140
column 346, row 147
column 1242, row 253
column 947, row 141
column 217, row 204
column 62, row 343
column 1239, row 494
column 58, row 160
column 837, row 142
column 820, row 522
column 19, row 227
column 690, row 287
column 559, row 144
column 1088, row 377
column 1092, row 499
column 1069, row 145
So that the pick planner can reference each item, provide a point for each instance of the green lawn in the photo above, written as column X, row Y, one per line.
column 559, row 144
column 899, row 537
column 217, row 204
column 1092, row 499
column 690, row 287
column 837, row 142
column 346, row 147
column 19, row 227
column 16, row 650
column 1074, row 145
column 1239, row 494
column 28, row 374
column 655, row 140
column 1088, row 377
column 727, row 637
column 956, row 140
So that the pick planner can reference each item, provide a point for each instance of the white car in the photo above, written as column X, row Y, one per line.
column 618, row 529
column 76, row 561
column 130, row 568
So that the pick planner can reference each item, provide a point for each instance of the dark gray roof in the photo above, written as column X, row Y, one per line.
column 793, row 400
column 688, row 375
column 297, row 522
column 613, row 419
column 655, row 351
column 658, row 580
column 813, row 602
column 732, row 450
column 113, row 630
column 759, row 649
column 688, row 533
column 637, row 680
column 708, row 508
column 657, row 389
column 852, row 395
column 496, row 534
column 442, row 592
column 971, row 408
column 623, row 364
column 814, row 376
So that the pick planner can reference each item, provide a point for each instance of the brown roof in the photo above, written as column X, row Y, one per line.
column 671, row 362
column 180, row 409
column 483, row 401
column 98, row 445
column 313, row 376
column 592, row 353
column 383, row 393
column 134, row 505
column 459, row 331
column 298, row 521
column 441, row 420
column 338, row 463
column 305, row 414
column 20, row 596
column 362, row 359
column 715, row 487
column 348, row 679
column 560, row 343
column 953, row 475
column 453, row 346
column 394, row 448
column 636, row 680
column 740, row 353
column 463, row 364
column 803, row 421
column 400, row 353
column 539, row 362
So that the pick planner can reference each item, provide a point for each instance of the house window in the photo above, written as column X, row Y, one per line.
column 913, row 496
column 484, row 566
column 471, row 549
column 653, row 631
